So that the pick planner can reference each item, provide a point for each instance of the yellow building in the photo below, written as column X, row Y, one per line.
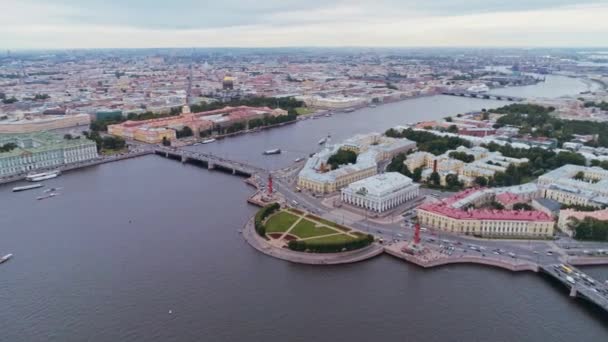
column 453, row 215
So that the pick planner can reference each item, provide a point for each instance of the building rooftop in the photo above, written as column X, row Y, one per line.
column 452, row 207
column 38, row 142
column 382, row 184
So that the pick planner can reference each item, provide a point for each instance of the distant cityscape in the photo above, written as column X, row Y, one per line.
column 519, row 186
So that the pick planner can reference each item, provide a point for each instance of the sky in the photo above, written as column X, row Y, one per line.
column 44, row 24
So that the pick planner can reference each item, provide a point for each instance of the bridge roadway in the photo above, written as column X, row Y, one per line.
column 486, row 96
column 210, row 160
column 581, row 285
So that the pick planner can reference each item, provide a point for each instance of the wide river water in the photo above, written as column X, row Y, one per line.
column 149, row 250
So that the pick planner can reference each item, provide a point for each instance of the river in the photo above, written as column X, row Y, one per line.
column 149, row 250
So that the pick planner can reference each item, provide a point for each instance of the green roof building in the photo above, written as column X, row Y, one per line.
column 42, row 150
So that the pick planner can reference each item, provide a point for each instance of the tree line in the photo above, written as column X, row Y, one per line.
column 537, row 121
column 312, row 246
column 106, row 142
column 261, row 215
column 427, row 141
column 590, row 229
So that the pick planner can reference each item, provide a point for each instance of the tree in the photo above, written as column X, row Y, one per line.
column 448, row 119
column 166, row 142
column 462, row 156
column 435, row 178
column 342, row 157
column 453, row 129
column 9, row 100
column 184, row 132
column 68, row 136
column 522, row 206
column 452, row 181
column 579, row 176
column 481, row 181
column 417, row 175
column 8, row 147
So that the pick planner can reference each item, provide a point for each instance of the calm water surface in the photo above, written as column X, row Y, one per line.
column 128, row 242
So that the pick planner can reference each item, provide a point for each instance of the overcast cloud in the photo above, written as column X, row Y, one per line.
column 269, row 23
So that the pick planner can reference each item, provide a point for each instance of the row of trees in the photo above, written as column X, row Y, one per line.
column 590, row 229
column 342, row 157
column 261, row 215
column 312, row 246
column 107, row 142
column 429, row 142
column 467, row 158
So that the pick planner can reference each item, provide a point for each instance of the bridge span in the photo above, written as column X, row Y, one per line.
column 485, row 96
column 579, row 284
column 211, row 161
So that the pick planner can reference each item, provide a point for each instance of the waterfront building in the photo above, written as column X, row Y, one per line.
column 30, row 124
column 381, row 192
column 43, row 150
column 459, row 214
column 334, row 102
column 371, row 149
column 153, row 131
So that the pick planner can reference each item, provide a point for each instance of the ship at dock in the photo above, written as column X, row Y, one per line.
column 37, row 177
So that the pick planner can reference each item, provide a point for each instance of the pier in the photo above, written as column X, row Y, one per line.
column 211, row 161
column 484, row 96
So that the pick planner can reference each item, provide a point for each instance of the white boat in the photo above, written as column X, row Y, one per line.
column 51, row 190
column 27, row 187
column 298, row 160
column 208, row 141
column 273, row 151
column 5, row 258
column 322, row 141
column 37, row 177
column 46, row 196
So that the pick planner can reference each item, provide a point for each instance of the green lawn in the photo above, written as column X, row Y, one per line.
column 280, row 222
column 333, row 239
column 304, row 111
column 306, row 229
column 327, row 222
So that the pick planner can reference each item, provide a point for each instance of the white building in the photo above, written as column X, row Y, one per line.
column 381, row 192
column 371, row 149
column 42, row 150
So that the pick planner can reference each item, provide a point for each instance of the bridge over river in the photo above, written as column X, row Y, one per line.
column 485, row 96
column 211, row 161
column 580, row 284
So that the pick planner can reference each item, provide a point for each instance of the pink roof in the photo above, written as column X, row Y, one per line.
column 601, row 215
column 445, row 208
column 508, row 198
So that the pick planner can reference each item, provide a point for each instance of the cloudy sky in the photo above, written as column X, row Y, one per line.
column 271, row 23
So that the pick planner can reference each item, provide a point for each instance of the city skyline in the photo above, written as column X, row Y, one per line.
column 270, row 23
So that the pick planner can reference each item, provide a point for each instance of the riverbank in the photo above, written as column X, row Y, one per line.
column 430, row 260
column 75, row 166
column 262, row 245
